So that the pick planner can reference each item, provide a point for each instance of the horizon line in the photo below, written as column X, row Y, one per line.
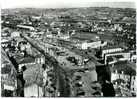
column 66, row 7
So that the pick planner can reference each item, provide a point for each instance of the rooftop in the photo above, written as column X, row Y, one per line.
column 33, row 74
column 22, row 60
column 128, row 68
column 111, row 47
column 86, row 36
column 25, row 27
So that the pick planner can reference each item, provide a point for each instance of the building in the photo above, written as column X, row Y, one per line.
column 88, row 40
column 134, row 58
column 86, row 45
column 15, row 34
column 5, row 42
column 26, row 27
column 123, row 75
column 40, row 59
column 33, row 76
column 36, row 17
column 33, row 91
column 133, row 84
column 8, row 76
column 111, row 49
column 5, row 37
column 117, row 56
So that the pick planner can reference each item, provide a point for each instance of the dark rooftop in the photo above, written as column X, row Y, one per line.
column 128, row 68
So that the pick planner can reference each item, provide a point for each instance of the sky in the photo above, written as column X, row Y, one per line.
column 66, row 3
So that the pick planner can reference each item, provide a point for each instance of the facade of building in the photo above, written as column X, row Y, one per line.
column 133, row 58
column 86, row 45
column 33, row 77
column 133, row 84
column 123, row 76
column 94, row 44
column 8, row 76
column 33, row 91
column 111, row 50
column 117, row 57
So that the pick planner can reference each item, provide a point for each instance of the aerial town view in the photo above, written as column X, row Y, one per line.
column 68, row 52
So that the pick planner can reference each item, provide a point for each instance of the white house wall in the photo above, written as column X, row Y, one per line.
column 32, row 90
